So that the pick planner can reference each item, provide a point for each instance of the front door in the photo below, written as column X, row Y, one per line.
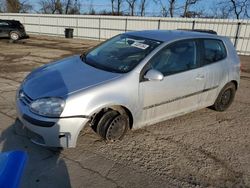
column 179, row 92
column 215, row 65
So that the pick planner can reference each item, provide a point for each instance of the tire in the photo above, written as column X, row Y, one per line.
column 14, row 35
column 113, row 125
column 225, row 97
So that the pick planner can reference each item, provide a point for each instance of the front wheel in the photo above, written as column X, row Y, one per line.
column 113, row 125
column 225, row 98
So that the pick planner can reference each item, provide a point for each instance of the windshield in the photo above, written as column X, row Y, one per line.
column 121, row 53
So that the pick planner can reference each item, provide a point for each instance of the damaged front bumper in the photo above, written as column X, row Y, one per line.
column 53, row 132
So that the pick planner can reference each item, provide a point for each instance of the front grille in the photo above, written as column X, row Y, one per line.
column 25, row 99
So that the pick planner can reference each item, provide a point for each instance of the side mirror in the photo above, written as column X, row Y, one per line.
column 154, row 75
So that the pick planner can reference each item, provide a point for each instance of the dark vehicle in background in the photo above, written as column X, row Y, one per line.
column 12, row 29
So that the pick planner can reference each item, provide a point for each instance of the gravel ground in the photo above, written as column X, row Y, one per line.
column 201, row 149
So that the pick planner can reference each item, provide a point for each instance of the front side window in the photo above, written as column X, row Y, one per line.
column 214, row 50
column 121, row 54
column 3, row 23
column 177, row 57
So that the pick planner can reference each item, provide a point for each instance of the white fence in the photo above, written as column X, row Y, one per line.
column 104, row 27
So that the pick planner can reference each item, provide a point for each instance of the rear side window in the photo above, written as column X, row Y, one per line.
column 214, row 50
column 17, row 23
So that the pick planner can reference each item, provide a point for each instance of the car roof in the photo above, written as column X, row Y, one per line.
column 170, row 35
column 16, row 21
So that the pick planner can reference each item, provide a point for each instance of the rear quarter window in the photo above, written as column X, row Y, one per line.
column 214, row 50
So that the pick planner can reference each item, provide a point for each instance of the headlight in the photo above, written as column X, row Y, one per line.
column 51, row 107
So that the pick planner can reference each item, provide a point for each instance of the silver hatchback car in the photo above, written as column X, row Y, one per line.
column 130, row 81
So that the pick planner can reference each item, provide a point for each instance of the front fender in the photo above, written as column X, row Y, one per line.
column 122, row 91
column 104, row 96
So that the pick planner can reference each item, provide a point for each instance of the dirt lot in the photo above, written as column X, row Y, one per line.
column 201, row 149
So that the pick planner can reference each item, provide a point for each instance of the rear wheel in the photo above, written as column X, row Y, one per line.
column 14, row 35
column 113, row 125
column 225, row 98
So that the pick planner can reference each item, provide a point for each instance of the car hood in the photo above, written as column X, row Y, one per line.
column 64, row 77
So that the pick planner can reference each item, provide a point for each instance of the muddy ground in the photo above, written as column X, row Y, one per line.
column 200, row 149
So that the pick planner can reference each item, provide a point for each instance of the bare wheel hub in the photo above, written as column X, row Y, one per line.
column 117, row 128
column 225, row 98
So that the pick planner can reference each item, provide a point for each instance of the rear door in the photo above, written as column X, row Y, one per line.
column 179, row 91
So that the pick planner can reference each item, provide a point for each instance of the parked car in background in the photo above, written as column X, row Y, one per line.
column 130, row 81
column 12, row 29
